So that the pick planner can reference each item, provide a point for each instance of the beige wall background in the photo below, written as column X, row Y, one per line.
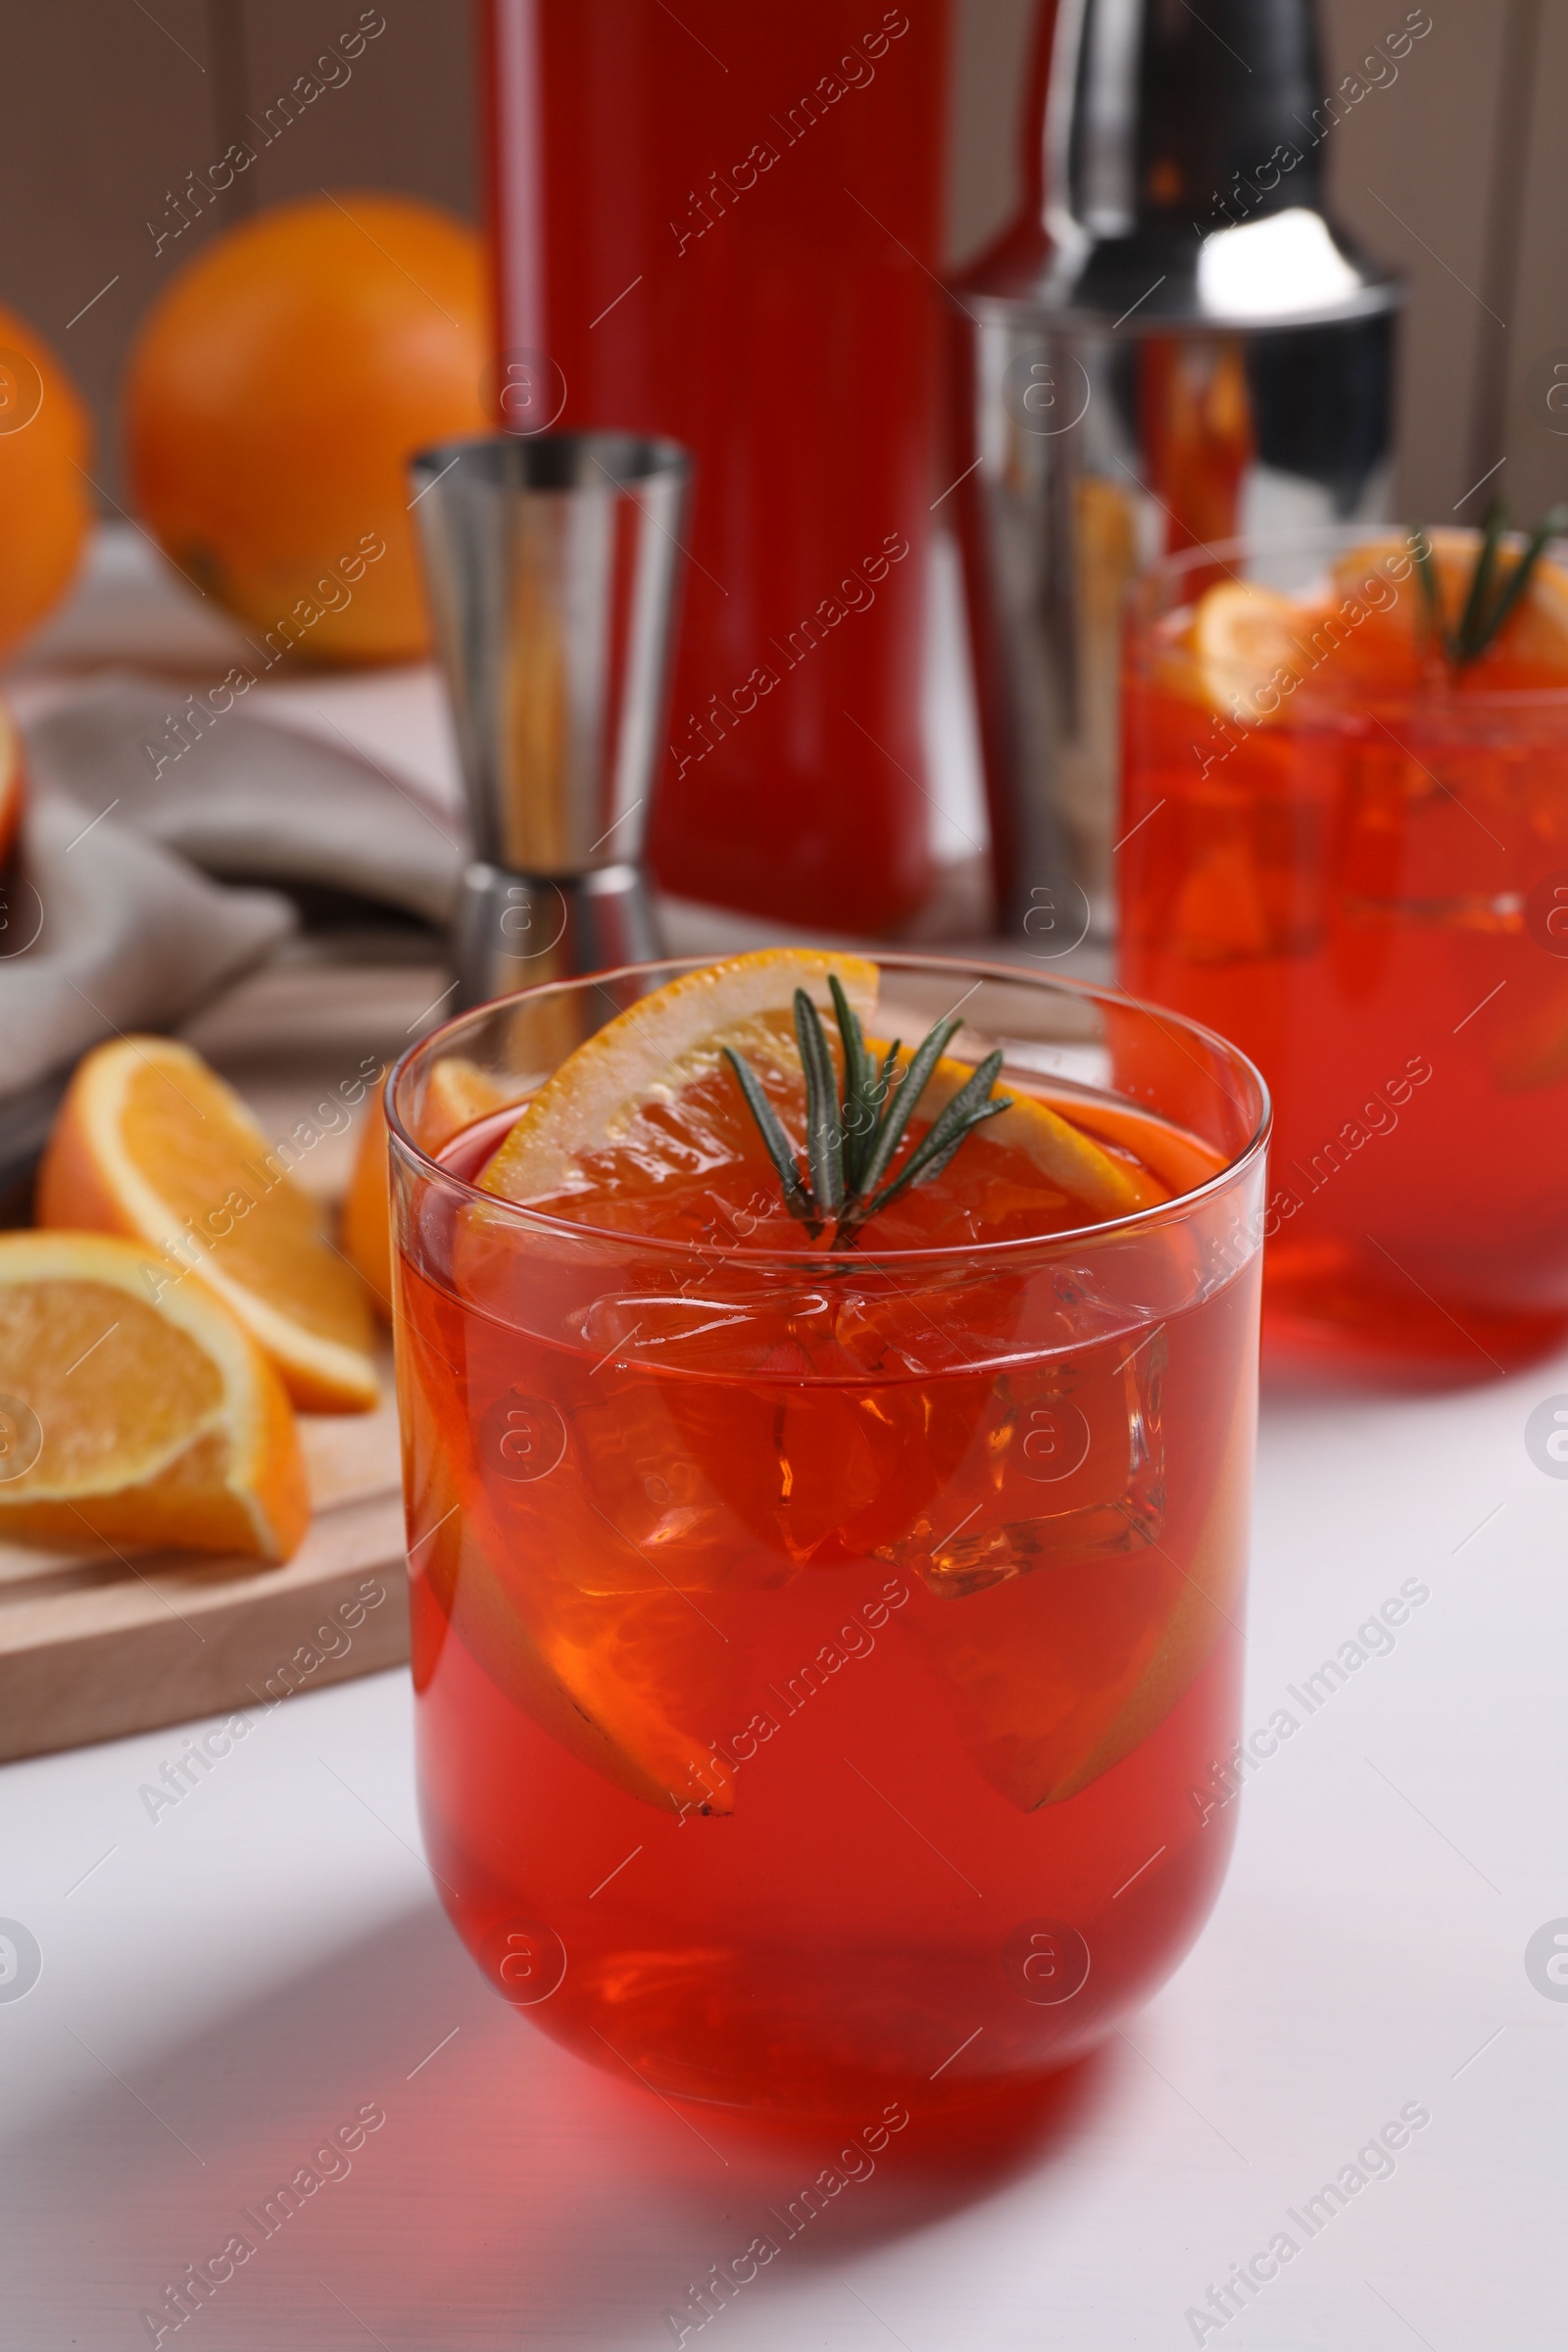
column 1457, row 173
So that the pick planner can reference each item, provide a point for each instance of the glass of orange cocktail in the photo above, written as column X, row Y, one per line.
column 827, row 1629
column 1346, row 846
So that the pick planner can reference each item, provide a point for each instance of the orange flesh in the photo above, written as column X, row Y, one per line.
column 114, row 1385
column 273, row 1242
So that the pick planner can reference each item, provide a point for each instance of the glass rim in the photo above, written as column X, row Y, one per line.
column 1311, row 535
column 798, row 1263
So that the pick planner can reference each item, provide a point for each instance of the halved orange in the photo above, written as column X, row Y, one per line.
column 134, row 1407
column 150, row 1143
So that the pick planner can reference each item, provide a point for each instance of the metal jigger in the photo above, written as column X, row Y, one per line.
column 553, row 566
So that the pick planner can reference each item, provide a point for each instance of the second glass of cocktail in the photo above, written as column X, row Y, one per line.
column 1345, row 842
column 826, row 1626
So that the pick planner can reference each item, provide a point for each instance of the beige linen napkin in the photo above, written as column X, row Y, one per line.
column 105, row 932
column 247, row 800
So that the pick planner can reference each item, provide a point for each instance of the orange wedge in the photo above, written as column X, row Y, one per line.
column 367, row 1230
column 149, row 1143
column 457, row 1093
column 139, row 1421
column 1453, row 552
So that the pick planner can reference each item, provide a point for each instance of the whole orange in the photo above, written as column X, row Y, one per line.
column 45, row 498
column 275, row 392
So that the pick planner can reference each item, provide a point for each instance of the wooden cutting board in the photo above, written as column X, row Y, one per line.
column 93, row 1645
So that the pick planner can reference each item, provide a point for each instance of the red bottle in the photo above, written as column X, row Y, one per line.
column 723, row 224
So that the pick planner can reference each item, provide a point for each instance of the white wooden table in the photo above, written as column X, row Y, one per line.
column 224, row 1985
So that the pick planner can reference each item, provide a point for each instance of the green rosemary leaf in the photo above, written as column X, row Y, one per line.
column 851, row 1144
column 1551, row 527
column 859, row 1109
column 969, row 1107
column 796, row 1199
column 1432, row 594
column 883, row 1085
column 930, row 1166
column 1468, row 639
column 825, row 1132
column 901, row 1104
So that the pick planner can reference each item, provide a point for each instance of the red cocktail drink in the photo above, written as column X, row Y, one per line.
column 824, row 1656
column 1353, row 859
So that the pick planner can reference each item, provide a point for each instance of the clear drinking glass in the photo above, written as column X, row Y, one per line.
column 826, row 1667
column 1356, row 866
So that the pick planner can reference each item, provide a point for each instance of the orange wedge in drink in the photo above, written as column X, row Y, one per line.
column 1049, row 1692
column 134, row 1407
column 599, row 1673
column 152, row 1144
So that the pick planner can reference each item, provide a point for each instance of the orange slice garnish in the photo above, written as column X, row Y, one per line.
column 651, row 1053
column 1531, row 650
column 152, row 1144
column 637, row 1085
column 1244, row 635
column 133, row 1407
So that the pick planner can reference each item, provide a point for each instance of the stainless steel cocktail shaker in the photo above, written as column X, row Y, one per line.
column 553, row 563
column 1171, row 345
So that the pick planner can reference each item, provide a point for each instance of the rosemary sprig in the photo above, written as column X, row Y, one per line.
column 851, row 1140
column 1485, row 607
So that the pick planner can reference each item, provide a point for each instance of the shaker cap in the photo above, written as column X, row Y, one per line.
column 1175, row 165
